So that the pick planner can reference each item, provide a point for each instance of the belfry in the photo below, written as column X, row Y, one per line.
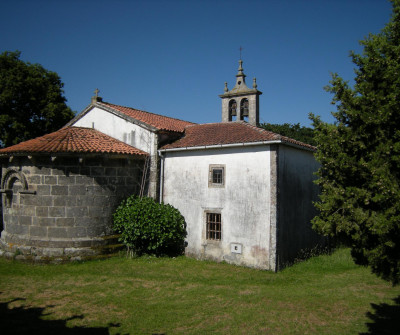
column 241, row 103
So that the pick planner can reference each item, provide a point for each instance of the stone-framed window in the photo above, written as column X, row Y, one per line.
column 216, row 175
column 213, row 226
column 13, row 183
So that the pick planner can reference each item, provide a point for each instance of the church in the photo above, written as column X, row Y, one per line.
column 246, row 193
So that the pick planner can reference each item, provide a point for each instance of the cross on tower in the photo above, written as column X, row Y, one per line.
column 240, row 49
column 96, row 91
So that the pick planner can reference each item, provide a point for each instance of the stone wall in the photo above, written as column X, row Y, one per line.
column 62, row 209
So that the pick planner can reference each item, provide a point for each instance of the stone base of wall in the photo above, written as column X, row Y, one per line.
column 54, row 250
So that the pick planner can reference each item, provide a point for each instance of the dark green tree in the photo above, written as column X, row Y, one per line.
column 295, row 131
column 360, row 156
column 31, row 100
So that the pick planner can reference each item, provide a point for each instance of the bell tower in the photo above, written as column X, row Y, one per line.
column 241, row 103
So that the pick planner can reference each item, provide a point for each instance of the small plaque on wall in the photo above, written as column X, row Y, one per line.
column 236, row 248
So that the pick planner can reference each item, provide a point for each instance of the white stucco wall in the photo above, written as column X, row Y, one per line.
column 118, row 128
column 243, row 201
column 297, row 191
column 127, row 132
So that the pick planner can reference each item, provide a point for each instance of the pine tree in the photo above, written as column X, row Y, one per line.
column 360, row 156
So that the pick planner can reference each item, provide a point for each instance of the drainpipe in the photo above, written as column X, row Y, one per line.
column 161, row 176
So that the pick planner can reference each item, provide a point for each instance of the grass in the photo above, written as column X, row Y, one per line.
column 327, row 294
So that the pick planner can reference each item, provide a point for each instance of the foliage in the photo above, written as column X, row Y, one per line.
column 295, row 131
column 360, row 156
column 31, row 100
column 150, row 227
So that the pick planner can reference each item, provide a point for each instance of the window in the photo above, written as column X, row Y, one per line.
column 216, row 175
column 213, row 231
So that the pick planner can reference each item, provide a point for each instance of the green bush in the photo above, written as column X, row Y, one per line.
column 148, row 227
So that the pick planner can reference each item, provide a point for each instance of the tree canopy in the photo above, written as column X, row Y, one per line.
column 295, row 131
column 360, row 156
column 31, row 100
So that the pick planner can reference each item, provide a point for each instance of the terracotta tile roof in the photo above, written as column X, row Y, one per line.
column 158, row 121
column 210, row 134
column 73, row 140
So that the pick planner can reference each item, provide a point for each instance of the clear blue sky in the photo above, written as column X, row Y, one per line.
column 173, row 57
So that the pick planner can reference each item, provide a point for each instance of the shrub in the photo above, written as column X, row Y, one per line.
column 148, row 227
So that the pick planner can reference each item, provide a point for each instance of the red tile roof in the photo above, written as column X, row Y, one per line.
column 210, row 134
column 158, row 121
column 73, row 140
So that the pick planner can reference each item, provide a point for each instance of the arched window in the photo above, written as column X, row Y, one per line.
column 244, row 109
column 12, row 184
column 232, row 110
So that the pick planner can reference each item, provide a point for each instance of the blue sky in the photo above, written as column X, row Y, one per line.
column 173, row 57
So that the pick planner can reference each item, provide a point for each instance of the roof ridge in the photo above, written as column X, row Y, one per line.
column 73, row 140
column 143, row 111
column 224, row 133
column 262, row 130
column 109, row 103
column 285, row 138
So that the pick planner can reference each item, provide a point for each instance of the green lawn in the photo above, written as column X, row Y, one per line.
column 324, row 295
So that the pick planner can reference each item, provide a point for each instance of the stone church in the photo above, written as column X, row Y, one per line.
column 246, row 193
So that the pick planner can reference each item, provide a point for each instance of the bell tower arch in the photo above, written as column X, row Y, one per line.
column 241, row 103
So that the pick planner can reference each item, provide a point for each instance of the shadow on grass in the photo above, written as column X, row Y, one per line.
column 22, row 320
column 385, row 319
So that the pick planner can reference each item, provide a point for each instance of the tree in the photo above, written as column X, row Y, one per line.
column 31, row 100
column 360, row 156
column 295, row 131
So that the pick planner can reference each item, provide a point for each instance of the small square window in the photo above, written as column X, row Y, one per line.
column 216, row 176
column 214, row 226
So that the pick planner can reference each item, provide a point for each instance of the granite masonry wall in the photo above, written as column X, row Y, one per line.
column 61, row 209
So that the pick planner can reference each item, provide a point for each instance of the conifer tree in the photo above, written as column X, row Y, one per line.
column 360, row 156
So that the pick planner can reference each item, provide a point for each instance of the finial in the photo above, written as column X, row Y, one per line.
column 254, row 83
column 240, row 70
column 226, row 87
column 96, row 97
